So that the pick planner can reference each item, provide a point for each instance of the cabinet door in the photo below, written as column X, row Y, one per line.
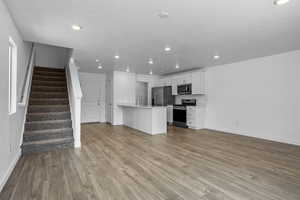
column 198, row 83
column 191, row 116
column 170, row 114
column 174, row 86
column 167, row 82
column 187, row 79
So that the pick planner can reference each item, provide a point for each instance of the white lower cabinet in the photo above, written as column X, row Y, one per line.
column 170, row 114
column 195, row 117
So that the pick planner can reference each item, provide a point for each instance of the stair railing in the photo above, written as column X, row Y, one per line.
column 75, row 95
column 27, row 80
column 24, row 99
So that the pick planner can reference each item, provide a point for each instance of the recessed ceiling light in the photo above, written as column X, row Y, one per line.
column 100, row 67
column 281, row 2
column 150, row 61
column 167, row 48
column 177, row 66
column 216, row 57
column 76, row 27
column 163, row 14
column 150, row 72
column 117, row 56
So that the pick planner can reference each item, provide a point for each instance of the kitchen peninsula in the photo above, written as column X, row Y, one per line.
column 149, row 119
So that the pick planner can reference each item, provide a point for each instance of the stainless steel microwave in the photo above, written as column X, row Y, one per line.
column 184, row 89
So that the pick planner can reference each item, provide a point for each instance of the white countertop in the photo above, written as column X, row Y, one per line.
column 140, row 106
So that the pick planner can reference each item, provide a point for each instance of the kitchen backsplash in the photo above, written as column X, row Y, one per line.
column 201, row 99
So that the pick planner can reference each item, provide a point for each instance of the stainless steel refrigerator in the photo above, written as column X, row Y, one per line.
column 162, row 96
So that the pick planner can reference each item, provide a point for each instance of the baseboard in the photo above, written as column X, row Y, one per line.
column 10, row 169
column 234, row 132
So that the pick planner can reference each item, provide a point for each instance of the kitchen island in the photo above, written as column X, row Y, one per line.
column 148, row 119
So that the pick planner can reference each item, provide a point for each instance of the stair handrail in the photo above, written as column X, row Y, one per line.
column 75, row 95
column 27, row 79
column 73, row 69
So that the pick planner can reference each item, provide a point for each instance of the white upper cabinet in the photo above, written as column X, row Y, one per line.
column 174, row 85
column 198, row 82
column 183, row 79
column 167, row 82
column 196, row 78
column 157, row 83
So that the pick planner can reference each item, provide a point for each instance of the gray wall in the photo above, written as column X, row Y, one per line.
column 11, row 125
column 51, row 56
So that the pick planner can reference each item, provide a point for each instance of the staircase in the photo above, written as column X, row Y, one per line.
column 48, row 122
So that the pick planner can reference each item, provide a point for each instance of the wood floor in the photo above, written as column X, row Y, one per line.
column 121, row 163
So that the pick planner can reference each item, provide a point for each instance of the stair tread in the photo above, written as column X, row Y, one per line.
column 50, row 113
column 45, row 99
column 48, row 106
column 48, row 86
column 49, row 141
column 47, row 131
column 47, row 92
column 46, row 75
column 49, row 72
column 49, row 121
column 48, row 79
column 37, row 88
column 56, row 81
column 36, row 77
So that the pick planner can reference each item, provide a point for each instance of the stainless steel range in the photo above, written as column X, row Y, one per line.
column 179, row 112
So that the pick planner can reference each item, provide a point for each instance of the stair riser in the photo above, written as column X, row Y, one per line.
column 49, row 83
column 49, row 89
column 48, row 78
column 45, row 69
column 46, row 147
column 43, row 73
column 49, row 102
column 50, row 116
column 45, row 136
column 41, row 109
column 45, row 125
column 49, row 95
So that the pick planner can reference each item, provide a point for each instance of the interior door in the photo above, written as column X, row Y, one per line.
column 91, row 105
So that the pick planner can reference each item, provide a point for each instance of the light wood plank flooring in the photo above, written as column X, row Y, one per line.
column 120, row 163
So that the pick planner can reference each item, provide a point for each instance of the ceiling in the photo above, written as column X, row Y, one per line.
column 196, row 30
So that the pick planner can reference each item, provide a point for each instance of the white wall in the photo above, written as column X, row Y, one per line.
column 93, row 99
column 123, row 93
column 259, row 98
column 51, row 56
column 11, row 125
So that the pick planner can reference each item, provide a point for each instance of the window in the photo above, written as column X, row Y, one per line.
column 12, row 92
